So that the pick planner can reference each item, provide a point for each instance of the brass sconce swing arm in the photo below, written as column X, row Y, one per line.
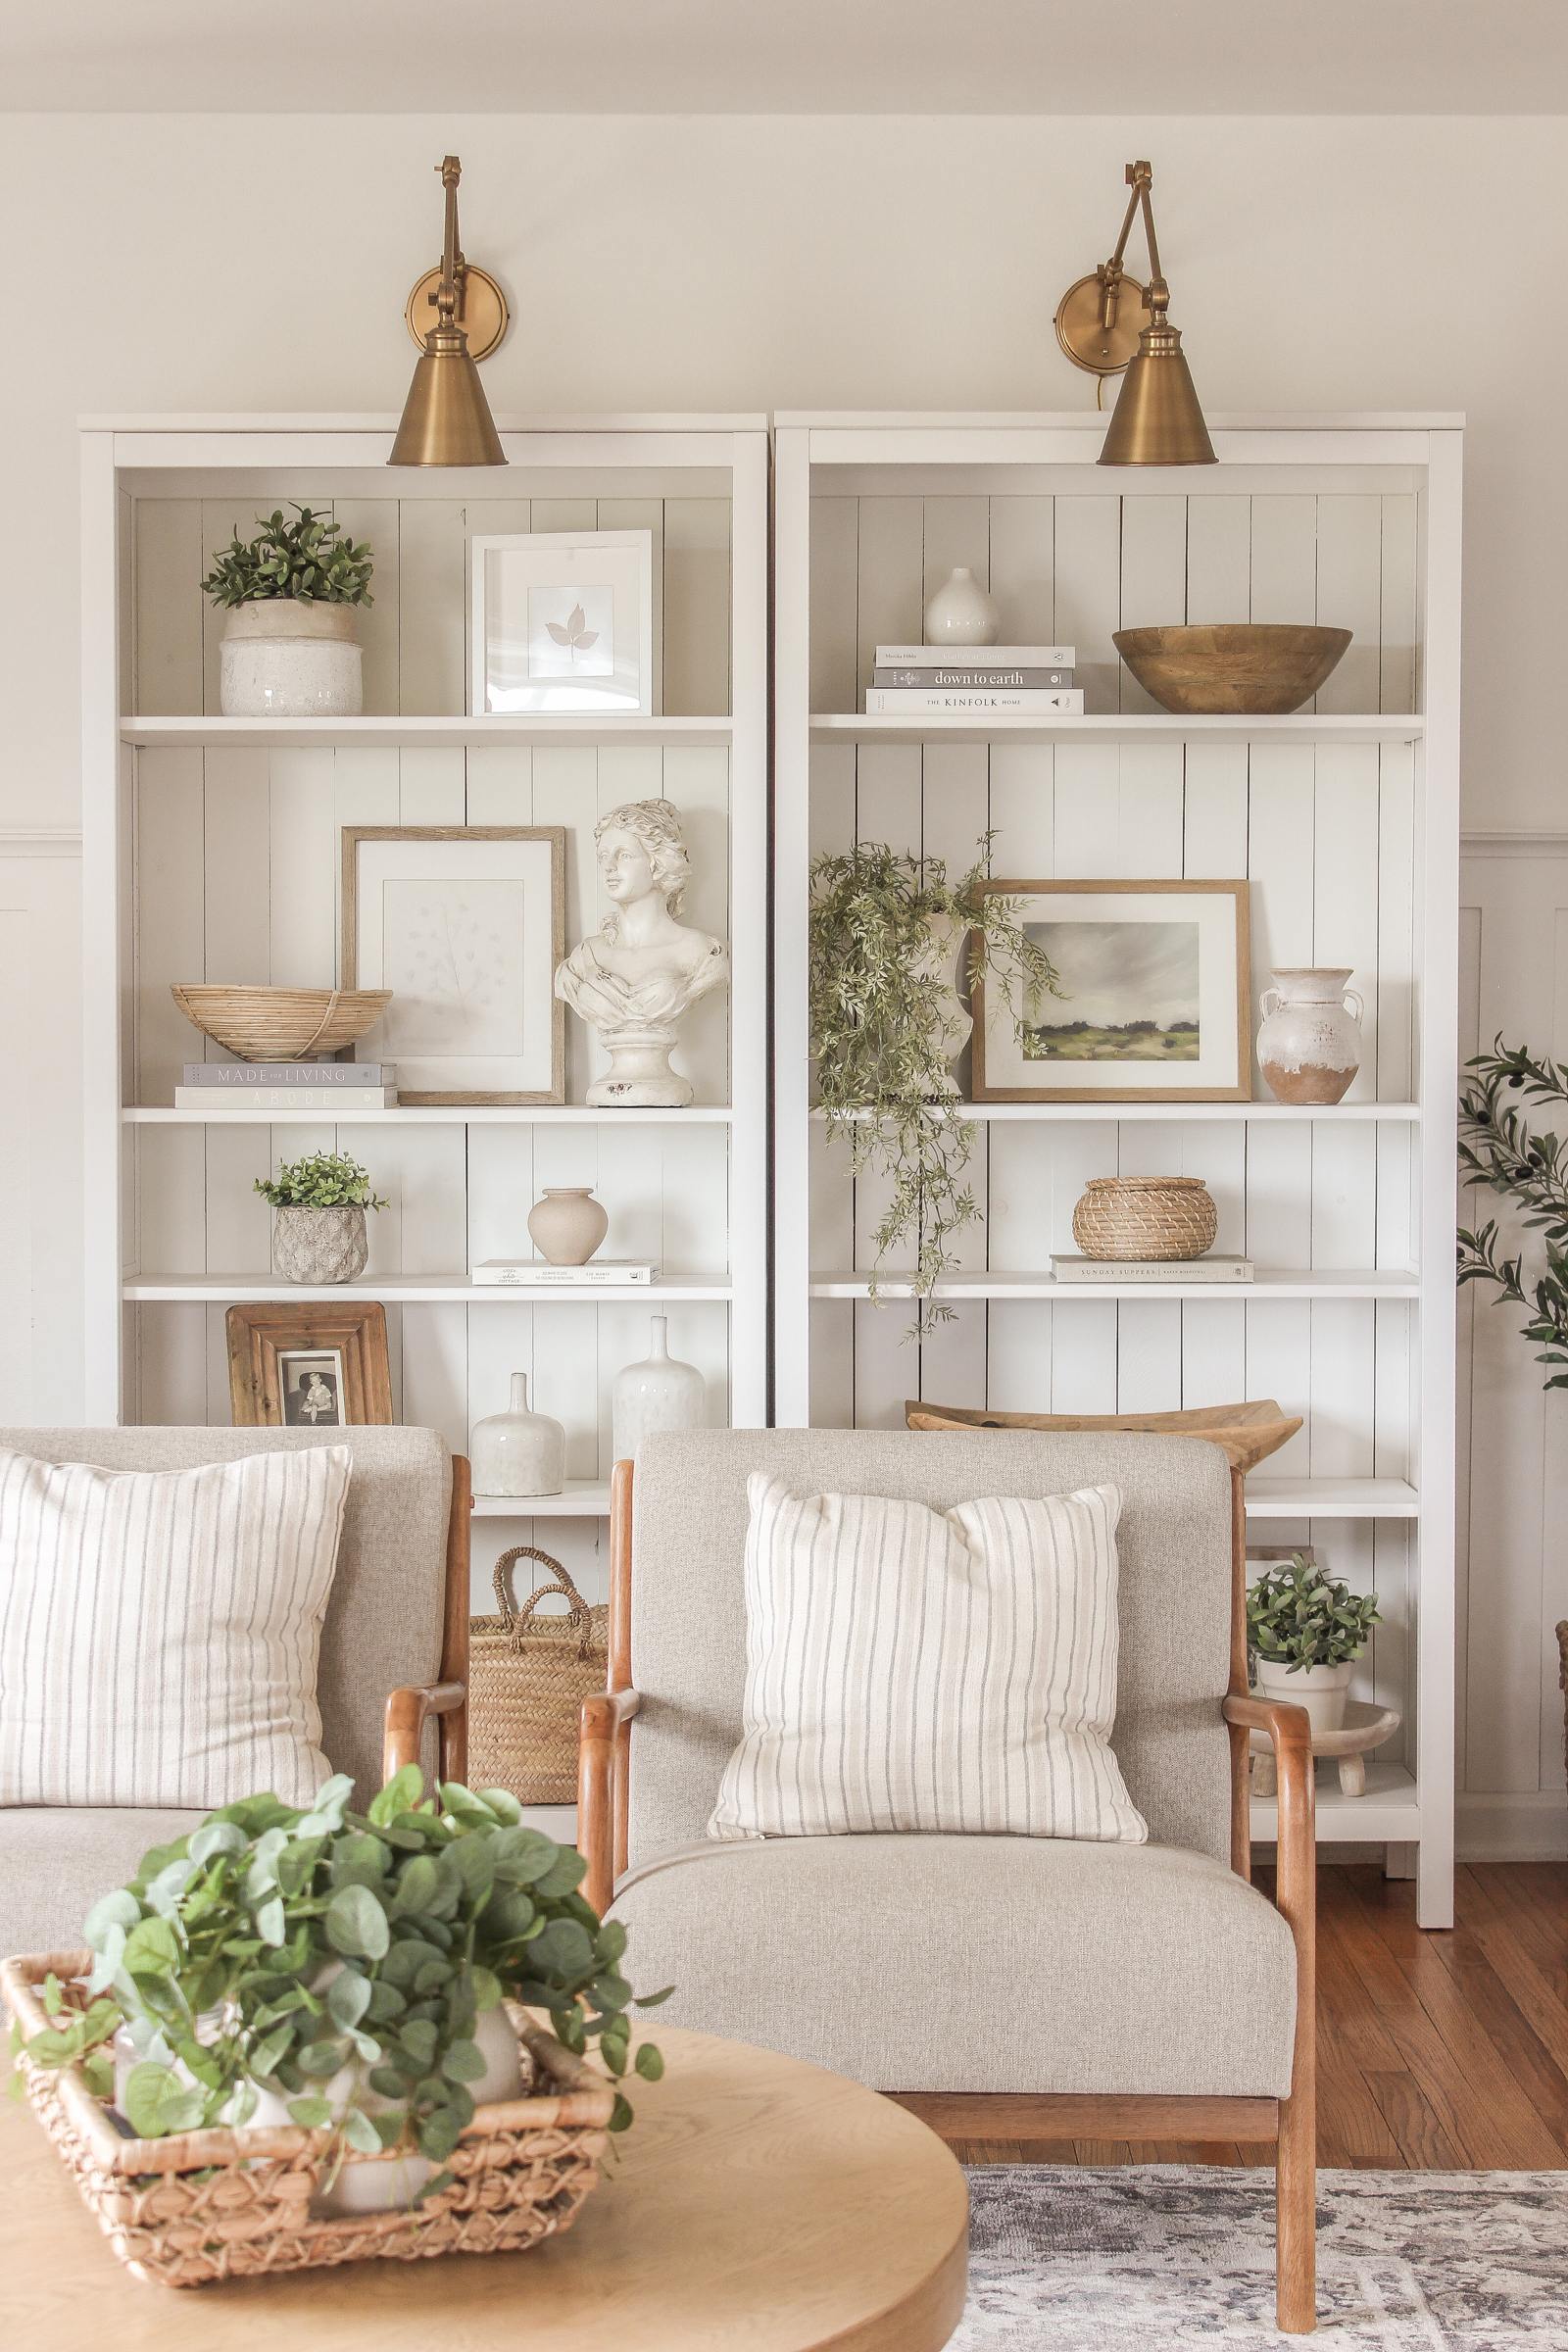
column 1157, row 421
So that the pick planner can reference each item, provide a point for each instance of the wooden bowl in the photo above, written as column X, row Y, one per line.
column 280, row 1024
column 1240, row 666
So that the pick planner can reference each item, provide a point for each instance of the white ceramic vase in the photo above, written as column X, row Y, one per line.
column 961, row 613
column 661, row 1393
column 569, row 1224
column 319, row 1245
column 1321, row 1689
column 281, row 659
column 519, row 1452
column 1309, row 1040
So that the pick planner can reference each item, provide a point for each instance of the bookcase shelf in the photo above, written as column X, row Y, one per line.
column 232, row 1111
column 1126, row 727
column 1270, row 1283
column 169, row 734
column 428, row 1290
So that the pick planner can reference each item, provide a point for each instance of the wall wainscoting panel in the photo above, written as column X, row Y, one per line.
column 40, row 1127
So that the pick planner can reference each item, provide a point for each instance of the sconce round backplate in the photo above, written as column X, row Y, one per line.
column 482, row 309
column 1084, row 340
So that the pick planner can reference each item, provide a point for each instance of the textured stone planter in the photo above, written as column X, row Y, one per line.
column 319, row 1245
column 280, row 659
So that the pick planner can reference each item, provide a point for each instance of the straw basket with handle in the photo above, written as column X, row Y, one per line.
column 528, row 1674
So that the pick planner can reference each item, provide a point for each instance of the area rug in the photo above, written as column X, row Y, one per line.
column 1124, row 2259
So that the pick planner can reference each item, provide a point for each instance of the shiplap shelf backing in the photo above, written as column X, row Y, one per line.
column 217, row 858
column 1345, row 819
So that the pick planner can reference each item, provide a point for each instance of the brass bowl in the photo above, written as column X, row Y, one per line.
column 280, row 1024
column 1235, row 666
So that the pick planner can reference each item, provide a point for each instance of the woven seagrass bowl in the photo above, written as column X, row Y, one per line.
column 280, row 1024
column 1250, row 666
column 1145, row 1216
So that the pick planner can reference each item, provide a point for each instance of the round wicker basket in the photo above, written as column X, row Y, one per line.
column 1145, row 1216
column 280, row 1024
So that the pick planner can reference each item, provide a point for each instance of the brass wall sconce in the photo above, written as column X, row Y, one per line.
column 446, row 418
column 1109, row 321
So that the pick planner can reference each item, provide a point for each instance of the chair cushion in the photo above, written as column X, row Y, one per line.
column 55, row 1862
column 916, row 1670
column 976, row 1964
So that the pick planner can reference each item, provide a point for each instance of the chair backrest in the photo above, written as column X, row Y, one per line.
column 688, row 1614
column 384, row 1617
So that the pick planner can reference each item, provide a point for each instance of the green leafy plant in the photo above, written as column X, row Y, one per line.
column 307, row 560
column 885, row 1024
column 1499, row 1150
column 288, row 1951
column 1296, row 1617
column 328, row 1180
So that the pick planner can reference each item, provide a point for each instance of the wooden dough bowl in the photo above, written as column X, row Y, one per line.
column 1240, row 666
column 1248, row 1434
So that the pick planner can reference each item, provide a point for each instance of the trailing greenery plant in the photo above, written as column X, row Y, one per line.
column 328, row 1180
column 1296, row 1617
column 1499, row 1150
column 307, row 560
column 885, row 1024
column 274, row 1949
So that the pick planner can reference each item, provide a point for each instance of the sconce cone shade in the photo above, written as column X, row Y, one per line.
column 446, row 418
column 1157, row 421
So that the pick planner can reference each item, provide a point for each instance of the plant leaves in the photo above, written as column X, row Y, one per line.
column 356, row 1923
column 310, row 2114
column 348, row 1998
column 402, row 1791
column 361, row 2133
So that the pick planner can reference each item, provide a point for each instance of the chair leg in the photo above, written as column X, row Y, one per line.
column 1296, row 2216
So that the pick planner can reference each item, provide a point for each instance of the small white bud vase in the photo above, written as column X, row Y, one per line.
column 1309, row 1040
column 281, row 659
column 519, row 1452
column 569, row 1224
column 661, row 1393
column 961, row 613
column 319, row 1245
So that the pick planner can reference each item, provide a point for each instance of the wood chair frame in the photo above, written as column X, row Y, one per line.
column 409, row 1708
column 1291, row 2124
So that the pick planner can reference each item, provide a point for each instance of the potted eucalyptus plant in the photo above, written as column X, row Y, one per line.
column 290, row 649
column 318, row 1232
column 1304, row 1631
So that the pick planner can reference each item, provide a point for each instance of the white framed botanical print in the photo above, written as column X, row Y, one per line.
column 562, row 620
column 465, row 925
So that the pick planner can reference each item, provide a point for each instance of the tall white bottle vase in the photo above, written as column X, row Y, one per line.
column 519, row 1452
column 961, row 613
column 661, row 1393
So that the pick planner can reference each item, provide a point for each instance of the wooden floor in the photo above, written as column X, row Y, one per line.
column 1434, row 2051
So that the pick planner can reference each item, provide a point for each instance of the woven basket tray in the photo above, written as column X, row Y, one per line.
column 529, row 1676
column 219, row 2204
column 1145, row 1216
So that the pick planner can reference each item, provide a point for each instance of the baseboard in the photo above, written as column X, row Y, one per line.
column 1524, row 1827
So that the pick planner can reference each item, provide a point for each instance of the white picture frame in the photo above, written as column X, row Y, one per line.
column 561, row 621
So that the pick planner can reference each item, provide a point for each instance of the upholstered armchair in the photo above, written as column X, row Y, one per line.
column 394, row 1651
column 1004, row 1987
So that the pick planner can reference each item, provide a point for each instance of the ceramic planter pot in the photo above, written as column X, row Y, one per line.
column 319, row 1245
column 519, row 1452
column 1321, row 1689
column 569, row 1224
column 280, row 659
column 1309, row 1041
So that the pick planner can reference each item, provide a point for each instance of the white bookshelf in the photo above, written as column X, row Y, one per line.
column 1344, row 818
column 212, row 853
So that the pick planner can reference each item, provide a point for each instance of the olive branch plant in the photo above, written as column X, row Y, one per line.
column 309, row 559
column 885, row 1024
column 1497, row 1149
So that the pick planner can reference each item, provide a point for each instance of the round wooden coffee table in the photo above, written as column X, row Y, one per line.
column 756, row 2202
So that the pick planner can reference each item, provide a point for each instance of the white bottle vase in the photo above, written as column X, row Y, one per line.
column 1309, row 1041
column 519, row 1452
column 661, row 1393
column 961, row 613
column 569, row 1224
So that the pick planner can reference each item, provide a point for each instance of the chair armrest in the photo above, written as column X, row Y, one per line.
column 601, row 1740
column 408, row 1710
column 1290, row 1729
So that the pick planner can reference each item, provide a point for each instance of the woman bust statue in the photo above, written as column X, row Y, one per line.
column 644, row 968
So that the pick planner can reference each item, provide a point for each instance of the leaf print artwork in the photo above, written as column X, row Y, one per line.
column 576, row 633
column 453, row 958
column 571, row 632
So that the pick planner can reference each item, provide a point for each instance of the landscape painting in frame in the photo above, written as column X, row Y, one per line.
column 1151, row 1001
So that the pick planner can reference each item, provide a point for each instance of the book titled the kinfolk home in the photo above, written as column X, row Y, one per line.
column 975, row 702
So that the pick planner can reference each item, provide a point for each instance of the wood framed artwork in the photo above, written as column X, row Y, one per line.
column 465, row 925
column 1156, row 1001
column 562, row 620
column 318, row 1365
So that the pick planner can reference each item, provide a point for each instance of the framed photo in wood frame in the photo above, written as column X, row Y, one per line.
column 1156, row 1003
column 465, row 925
column 318, row 1365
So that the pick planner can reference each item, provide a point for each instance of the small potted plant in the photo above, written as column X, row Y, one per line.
column 318, row 1230
column 290, row 650
column 1304, row 1631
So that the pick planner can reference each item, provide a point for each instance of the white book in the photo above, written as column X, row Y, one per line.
column 978, row 657
column 996, row 702
column 537, row 1274
column 1215, row 1268
column 336, row 1105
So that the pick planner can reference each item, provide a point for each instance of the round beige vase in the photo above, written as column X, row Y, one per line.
column 569, row 1224
column 281, row 659
column 1309, row 1040
column 321, row 1244
column 1321, row 1689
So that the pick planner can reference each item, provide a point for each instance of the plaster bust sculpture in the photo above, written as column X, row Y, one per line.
column 644, row 969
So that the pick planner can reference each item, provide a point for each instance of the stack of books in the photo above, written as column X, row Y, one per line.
column 1024, row 681
column 338, row 1090
column 537, row 1274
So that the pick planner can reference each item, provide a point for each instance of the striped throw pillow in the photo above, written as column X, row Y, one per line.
column 915, row 1669
column 159, row 1630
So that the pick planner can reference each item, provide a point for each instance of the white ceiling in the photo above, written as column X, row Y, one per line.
column 1045, row 56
